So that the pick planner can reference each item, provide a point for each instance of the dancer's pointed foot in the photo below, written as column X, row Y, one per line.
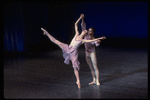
column 93, row 82
column 78, row 84
column 43, row 31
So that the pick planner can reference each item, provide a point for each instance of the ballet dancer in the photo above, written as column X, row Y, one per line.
column 90, row 53
column 70, row 52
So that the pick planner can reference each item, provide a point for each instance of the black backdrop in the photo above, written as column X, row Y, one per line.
column 123, row 23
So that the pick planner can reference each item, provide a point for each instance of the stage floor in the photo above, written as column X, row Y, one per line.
column 123, row 74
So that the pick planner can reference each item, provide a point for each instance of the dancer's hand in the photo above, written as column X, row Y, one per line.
column 82, row 15
column 103, row 37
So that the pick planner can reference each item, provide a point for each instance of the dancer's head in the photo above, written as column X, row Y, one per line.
column 84, row 33
column 91, row 31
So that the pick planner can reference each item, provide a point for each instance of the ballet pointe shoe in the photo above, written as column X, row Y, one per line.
column 43, row 31
column 78, row 84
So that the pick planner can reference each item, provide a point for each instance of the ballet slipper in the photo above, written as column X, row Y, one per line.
column 93, row 82
column 97, row 83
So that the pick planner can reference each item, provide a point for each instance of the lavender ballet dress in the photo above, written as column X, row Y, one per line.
column 71, row 52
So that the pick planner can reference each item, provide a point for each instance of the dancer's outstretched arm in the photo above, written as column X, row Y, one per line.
column 86, row 41
column 101, row 38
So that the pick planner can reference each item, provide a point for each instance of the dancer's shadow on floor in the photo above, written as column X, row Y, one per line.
column 119, row 74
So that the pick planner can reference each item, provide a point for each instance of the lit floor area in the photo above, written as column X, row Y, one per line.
column 123, row 74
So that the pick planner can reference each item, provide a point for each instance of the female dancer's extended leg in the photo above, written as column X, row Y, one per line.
column 60, row 44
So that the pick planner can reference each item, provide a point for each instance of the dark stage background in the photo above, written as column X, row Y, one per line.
column 123, row 23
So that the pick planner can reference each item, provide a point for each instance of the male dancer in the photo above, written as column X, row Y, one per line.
column 91, row 54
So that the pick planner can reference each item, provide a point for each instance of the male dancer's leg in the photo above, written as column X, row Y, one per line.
column 94, row 63
column 88, row 60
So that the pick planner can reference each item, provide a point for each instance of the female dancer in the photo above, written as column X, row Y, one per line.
column 91, row 54
column 71, row 52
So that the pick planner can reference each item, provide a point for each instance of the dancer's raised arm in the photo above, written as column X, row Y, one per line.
column 76, row 24
column 83, row 24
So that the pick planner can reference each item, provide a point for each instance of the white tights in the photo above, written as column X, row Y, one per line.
column 92, row 62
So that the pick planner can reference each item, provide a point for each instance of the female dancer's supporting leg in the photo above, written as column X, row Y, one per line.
column 76, row 72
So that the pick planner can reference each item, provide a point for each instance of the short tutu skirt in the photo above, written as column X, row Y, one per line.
column 71, row 53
